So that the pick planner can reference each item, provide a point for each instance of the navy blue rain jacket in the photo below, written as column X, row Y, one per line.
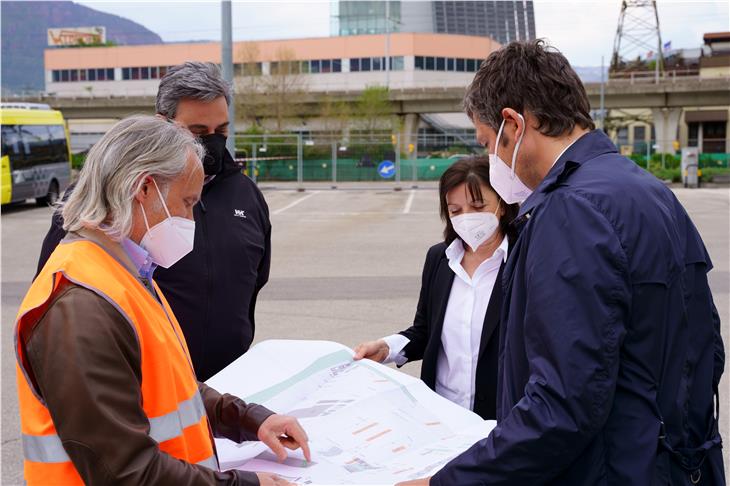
column 611, row 352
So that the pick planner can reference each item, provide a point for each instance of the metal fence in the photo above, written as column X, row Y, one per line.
column 301, row 158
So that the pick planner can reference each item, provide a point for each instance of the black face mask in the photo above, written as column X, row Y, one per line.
column 215, row 148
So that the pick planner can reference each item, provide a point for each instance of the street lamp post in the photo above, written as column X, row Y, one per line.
column 387, row 44
column 227, row 64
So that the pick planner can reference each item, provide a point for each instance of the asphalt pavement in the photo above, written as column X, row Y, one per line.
column 346, row 267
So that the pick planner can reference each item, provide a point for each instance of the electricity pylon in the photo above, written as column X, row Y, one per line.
column 637, row 35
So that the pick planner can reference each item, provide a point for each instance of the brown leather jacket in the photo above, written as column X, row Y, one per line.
column 85, row 361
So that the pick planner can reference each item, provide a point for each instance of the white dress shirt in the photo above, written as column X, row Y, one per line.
column 463, row 322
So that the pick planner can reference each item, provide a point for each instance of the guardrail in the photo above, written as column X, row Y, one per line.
column 653, row 77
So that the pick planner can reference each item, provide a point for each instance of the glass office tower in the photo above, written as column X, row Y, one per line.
column 503, row 21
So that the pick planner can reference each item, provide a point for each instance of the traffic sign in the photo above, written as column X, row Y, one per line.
column 386, row 169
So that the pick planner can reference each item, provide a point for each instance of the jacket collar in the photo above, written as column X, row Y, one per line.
column 455, row 251
column 230, row 166
column 587, row 147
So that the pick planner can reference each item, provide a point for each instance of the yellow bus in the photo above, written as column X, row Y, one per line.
column 36, row 156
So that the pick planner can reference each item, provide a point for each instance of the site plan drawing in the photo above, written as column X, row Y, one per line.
column 367, row 423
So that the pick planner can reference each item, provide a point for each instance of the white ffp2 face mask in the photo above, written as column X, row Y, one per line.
column 475, row 228
column 169, row 240
column 503, row 178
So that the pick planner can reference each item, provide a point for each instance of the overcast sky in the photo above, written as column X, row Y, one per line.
column 583, row 30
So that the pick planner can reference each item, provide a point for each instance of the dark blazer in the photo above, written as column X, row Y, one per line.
column 425, row 333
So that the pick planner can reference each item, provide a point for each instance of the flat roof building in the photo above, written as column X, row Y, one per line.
column 348, row 63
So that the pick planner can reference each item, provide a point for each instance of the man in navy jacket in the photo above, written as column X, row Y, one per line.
column 611, row 353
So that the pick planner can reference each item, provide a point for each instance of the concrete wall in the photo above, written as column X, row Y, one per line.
column 715, row 72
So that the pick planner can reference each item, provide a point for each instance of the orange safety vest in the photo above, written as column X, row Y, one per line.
column 170, row 396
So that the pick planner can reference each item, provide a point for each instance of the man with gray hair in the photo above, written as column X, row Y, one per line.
column 213, row 289
column 106, row 389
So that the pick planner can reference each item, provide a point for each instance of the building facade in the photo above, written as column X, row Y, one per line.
column 322, row 64
column 504, row 21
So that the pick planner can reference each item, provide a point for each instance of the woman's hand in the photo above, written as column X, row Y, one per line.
column 374, row 350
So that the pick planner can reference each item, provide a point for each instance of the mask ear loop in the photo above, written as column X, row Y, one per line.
column 517, row 146
column 499, row 135
column 161, row 199
column 144, row 214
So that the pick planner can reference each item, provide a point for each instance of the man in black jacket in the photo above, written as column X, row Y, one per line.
column 213, row 289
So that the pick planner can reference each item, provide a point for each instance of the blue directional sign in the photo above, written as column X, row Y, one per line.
column 386, row 169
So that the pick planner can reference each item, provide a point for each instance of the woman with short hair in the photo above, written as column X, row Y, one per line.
column 456, row 327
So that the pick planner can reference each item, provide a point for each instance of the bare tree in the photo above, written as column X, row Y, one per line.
column 335, row 117
column 249, row 84
column 284, row 86
column 374, row 110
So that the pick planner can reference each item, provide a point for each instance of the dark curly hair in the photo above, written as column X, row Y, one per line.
column 529, row 76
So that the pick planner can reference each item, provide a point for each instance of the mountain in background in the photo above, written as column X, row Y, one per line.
column 590, row 74
column 24, row 36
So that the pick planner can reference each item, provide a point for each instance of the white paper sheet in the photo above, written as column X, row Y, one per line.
column 367, row 423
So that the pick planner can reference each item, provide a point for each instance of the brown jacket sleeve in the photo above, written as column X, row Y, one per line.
column 230, row 417
column 85, row 362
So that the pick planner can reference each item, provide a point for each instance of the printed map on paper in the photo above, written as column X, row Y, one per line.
column 367, row 423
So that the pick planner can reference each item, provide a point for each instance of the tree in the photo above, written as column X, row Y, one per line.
column 284, row 86
column 374, row 110
column 249, row 84
column 335, row 117
column 97, row 43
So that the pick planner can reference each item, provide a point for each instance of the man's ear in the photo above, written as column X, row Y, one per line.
column 513, row 119
column 145, row 189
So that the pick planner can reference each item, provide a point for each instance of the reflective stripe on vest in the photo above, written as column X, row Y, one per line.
column 210, row 463
column 171, row 425
column 44, row 448
column 48, row 448
column 170, row 397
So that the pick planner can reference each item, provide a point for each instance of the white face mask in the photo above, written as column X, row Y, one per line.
column 475, row 228
column 502, row 178
column 170, row 240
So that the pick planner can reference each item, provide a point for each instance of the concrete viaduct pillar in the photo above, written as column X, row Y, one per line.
column 666, row 124
column 409, row 134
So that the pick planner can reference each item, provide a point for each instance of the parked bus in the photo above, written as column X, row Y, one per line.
column 36, row 159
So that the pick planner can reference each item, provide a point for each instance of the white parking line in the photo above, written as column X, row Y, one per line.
column 294, row 203
column 409, row 202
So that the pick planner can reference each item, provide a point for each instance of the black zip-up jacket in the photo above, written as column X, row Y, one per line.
column 213, row 289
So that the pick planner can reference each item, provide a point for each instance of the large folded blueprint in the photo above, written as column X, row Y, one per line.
column 367, row 423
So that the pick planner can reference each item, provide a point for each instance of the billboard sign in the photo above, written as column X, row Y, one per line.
column 74, row 36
